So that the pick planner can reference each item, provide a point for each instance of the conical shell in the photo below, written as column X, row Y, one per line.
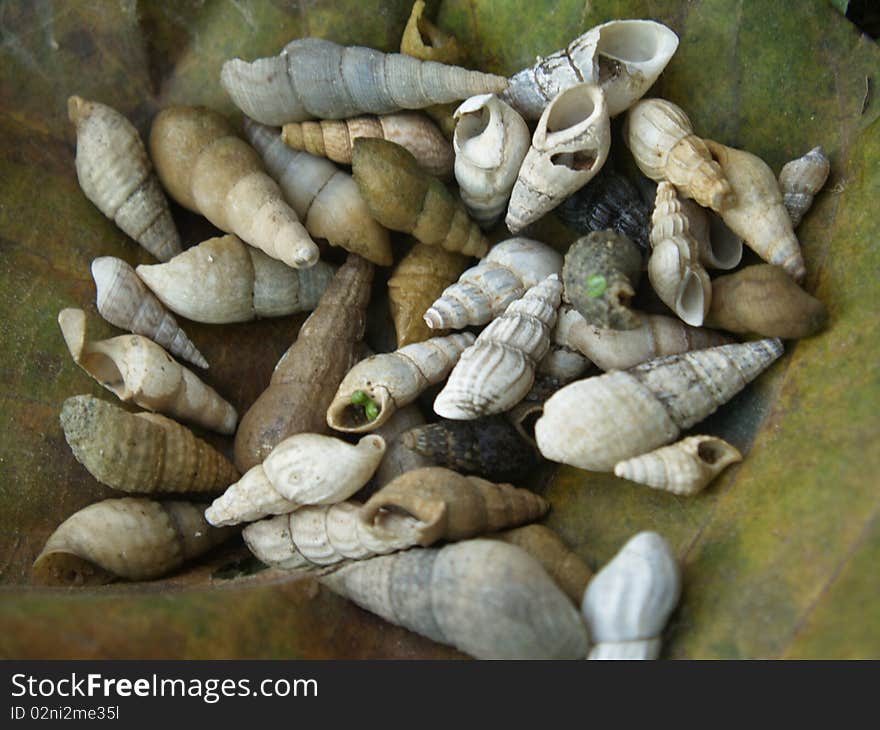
column 206, row 168
column 222, row 280
column 138, row 370
column 304, row 469
column 624, row 57
column 314, row 78
column 137, row 539
column 403, row 197
column 629, row 601
column 394, row 379
column 496, row 372
column 490, row 142
column 141, row 452
column 326, row 199
column 398, row 458
column 125, row 302
column 801, row 179
column 485, row 291
column 569, row 147
column 598, row 422
column 664, row 146
column 484, row 597
column 116, row 175
column 718, row 246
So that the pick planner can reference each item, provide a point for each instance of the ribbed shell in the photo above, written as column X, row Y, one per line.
column 801, row 179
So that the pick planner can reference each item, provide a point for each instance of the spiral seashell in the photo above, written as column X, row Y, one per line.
column 484, row 597
column 314, row 78
column 222, row 280
column 800, row 180
column 207, row 169
column 136, row 539
column 717, row 246
column 598, row 422
column 137, row 370
column 656, row 336
column 664, row 146
column 307, row 468
column 125, row 302
column 625, row 57
column 326, row 199
column 115, row 173
column 398, row 458
column 496, row 372
column 629, row 601
column 569, row 147
column 485, row 291
column 403, row 197
column 490, row 142
column 141, row 452
column 392, row 380
column 333, row 138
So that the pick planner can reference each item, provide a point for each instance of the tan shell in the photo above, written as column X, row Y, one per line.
column 598, row 422
column 207, row 169
column 137, row 539
column 125, row 302
column 496, row 372
column 116, row 175
column 683, row 468
column 137, row 370
column 484, row 597
column 801, row 179
column 719, row 247
column 141, row 452
column 394, row 379
column 398, row 458
column 222, row 280
column 307, row 468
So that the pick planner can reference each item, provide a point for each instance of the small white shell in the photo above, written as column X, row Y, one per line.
column 801, row 179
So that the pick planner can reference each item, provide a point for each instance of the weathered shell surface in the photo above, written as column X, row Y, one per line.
column 138, row 370
column 598, row 422
column 398, row 458
column 801, row 179
column 116, row 175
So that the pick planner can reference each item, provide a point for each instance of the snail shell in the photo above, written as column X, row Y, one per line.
column 141, row 452
column 138, row 370
column 116, row 175
column 125, row 302
column 718, row 247
column 598, row 422
column 314, row 78
column 801, row 179
column 222, row 280
column 562, row 362
column 398, row 458
column 137, row 539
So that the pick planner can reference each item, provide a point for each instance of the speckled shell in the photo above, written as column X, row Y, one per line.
column 601, row 273
column 314, row 78
column 629, row 601
column 485, row 291
column 207, row 169
column 138, row 370
column 624, row 57
column 326, row 199
column 393, row 380
column 307, row 468
column 569, row 147
column 398, row 458
column 141, row 452
column 125, row 302
column 598, row 422
column 490, row 142
column 664, row 146
column 137, row 539
column 496, row 372
column 116, row 175
column 405, row 198
column 801, row 179
column 484, row 597
column 718, row 246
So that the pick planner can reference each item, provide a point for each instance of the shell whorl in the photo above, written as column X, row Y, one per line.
column 801, row 179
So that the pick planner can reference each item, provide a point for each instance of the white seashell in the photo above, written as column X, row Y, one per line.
column 801, row 179
column 496, row 372
column 490, row 142
column 683, row 468
column 718, row 246
column 306, row 468
column 625, row 57
column 398, row 458
column 569, row 147
column 628, row 602
column 598, row 422
column 484, row 291
column 562, row 362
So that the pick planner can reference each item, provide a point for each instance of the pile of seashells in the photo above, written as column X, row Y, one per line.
column 445, row 554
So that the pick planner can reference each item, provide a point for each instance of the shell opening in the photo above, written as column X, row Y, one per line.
column 709, row 452
column 473, row 123
column 623, row 42
column 570, row 108
column 690, row 300
column 726, row 246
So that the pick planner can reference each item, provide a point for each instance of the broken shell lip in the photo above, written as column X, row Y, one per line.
column 345, row 416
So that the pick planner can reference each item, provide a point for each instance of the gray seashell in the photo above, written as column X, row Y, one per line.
column 801, row 179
